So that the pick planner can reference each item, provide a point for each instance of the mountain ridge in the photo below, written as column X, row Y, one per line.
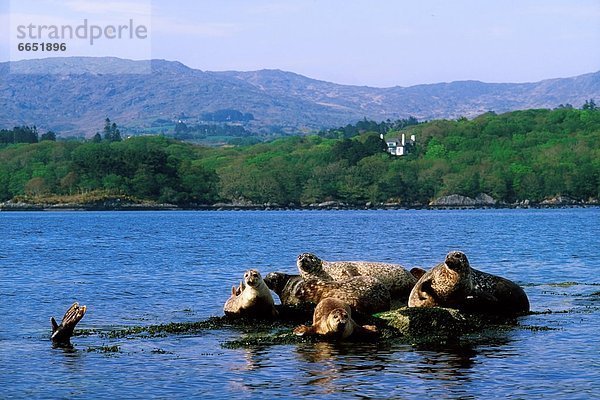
column 280, row 101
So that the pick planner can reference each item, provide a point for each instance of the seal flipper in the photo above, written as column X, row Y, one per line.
column 365, row 332
column 304, row 330
column 417, row 272
column 482, row 302
column 426, row 290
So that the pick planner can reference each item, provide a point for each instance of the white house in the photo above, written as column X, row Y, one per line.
column 400, row 146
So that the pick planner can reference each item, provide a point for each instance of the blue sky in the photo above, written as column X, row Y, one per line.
column 376, row 42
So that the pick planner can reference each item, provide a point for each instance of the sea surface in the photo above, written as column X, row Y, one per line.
column 144, row 268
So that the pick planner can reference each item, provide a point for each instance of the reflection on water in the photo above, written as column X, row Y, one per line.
column 156, row 267
column 255, row 357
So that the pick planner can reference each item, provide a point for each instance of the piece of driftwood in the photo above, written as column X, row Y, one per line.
column 61, row 334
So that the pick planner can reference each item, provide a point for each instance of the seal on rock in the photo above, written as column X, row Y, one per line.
column 61, row 334
column 251, row 299
column 394, row 277
column 333, row 319
column 287, row 287
column 455, row 284
column 363, row 294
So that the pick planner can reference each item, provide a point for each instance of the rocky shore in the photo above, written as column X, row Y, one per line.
column 124, row 203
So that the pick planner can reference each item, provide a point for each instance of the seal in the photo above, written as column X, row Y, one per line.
column 61, row 334
column 287, row 287
column 333, row 320
column 364, row 294
column 394, row 277
column 455, row 284
column 251, row 299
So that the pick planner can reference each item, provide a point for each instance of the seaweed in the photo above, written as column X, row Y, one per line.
column 424, row 327
column 104, row 349
column 165, row 329
column 536, row 328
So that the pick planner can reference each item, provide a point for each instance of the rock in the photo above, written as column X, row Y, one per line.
column 485, row 199
column 456, row 200
column 420, row 323
column 439, row 326
column 559, row 200
column 328, row 204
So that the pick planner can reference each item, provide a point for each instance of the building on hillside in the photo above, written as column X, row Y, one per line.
column 400, row 146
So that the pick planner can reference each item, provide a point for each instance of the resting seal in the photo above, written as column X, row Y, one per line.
column 251, row 299
column 394, row 277
column 455, row 284
column 333, row 319
column 61, row 334
column 363, row 294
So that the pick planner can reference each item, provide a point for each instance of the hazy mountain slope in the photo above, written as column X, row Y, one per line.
column 78, row 103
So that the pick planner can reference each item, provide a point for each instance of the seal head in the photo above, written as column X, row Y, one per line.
column 457, row 261
column 446, row 285
column 311, row 266
column 332, row 319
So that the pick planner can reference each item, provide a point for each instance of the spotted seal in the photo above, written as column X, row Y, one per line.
column 394, row 277
column 333, row 319
column 251, row 299
column 61, row 334
column 455, row 284
column 363, row 294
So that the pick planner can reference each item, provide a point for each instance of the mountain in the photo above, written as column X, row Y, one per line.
column 77, row 103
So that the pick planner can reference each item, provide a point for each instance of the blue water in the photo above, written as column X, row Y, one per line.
column 142, row 268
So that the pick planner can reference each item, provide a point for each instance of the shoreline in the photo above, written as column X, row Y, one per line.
column 268, row 207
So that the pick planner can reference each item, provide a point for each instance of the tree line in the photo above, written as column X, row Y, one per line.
column 531, row 154
column 200, row 131
column 24, row 134
column 147, row 168
column 365, row 125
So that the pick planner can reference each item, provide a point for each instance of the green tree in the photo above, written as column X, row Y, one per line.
column 111, row 131
column 50, row 135
column 589, row 105
column 199, row 184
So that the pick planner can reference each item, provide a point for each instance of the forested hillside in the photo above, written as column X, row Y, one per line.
column 532, row 154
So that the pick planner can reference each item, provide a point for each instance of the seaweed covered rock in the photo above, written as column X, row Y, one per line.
column 437, row 325
column 426, row 324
